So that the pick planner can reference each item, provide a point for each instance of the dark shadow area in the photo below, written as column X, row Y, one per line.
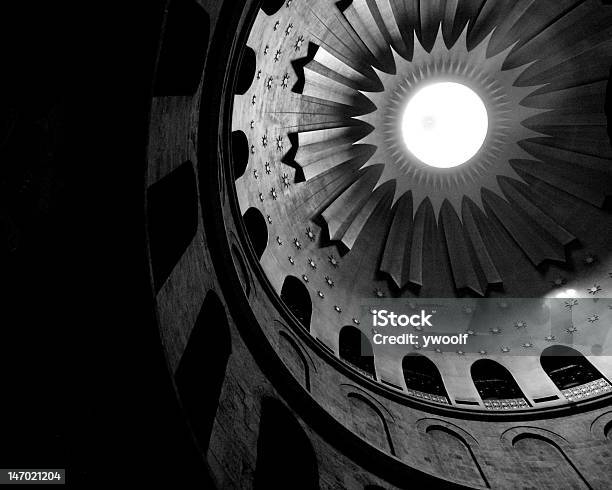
column 299, row 64
column 285, row 457
column 296, row 297
column 271, row 7
column 201, row 371
column 289, row 158
column 240, row 153
column 343, row 4
column 183, row 49
column 246, row 73
column 356, row 349
column 257, row 230
column 172, row 205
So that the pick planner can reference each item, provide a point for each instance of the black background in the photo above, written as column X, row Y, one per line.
column 84, row 381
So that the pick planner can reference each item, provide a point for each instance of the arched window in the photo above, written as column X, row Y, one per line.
column 496, row 386
column 240, row 153
column 270, row 7
column 246, row 73
column 257, row 230
column 285, row 458
column 356, row 349
column 201, row 370
column 568, row 368
column 422, row 375
column 296, row 297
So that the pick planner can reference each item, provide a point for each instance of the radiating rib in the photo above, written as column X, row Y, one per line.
column 334, row 33
column 519, row 195
column 577, row 142
column 472, row 216
column 319, row 151
column 432, row 14
column 341, row 213
column 524, row 233
column 545, row 152
column 463, row 267
column 505, row 33
column 315, row 195
column 561, row 40
column 492, row 14
column 383, row 193
column 396, row 256
column 392, row 26
column 589, row 185
column 322, row 87
column 361, row 19
column 328, row 65
column 578, row 69
column 422, row 241
column 587, row 98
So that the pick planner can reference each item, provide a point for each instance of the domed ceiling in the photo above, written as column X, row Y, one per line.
column 353, row 214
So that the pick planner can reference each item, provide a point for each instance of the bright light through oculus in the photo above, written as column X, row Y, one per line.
column 445, row 124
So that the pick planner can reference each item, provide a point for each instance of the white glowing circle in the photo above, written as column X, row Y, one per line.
column 445, row 124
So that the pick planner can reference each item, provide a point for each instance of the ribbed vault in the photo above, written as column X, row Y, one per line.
column 354, row 215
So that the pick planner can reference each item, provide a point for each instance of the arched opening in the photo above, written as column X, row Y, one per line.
column 257, row 230
column 568, row 368
column 201, row 371
column 295, row 359
column 296, row 297
column 285, row 458
column 240, row 153
column 370, row 423
column 422, row 375
column 270, row 7
column 355, row 348
column 454, row 457
column 546, row 462
column 246, row 73
column 172, row 215
column 183, row 49
column 496, row 385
